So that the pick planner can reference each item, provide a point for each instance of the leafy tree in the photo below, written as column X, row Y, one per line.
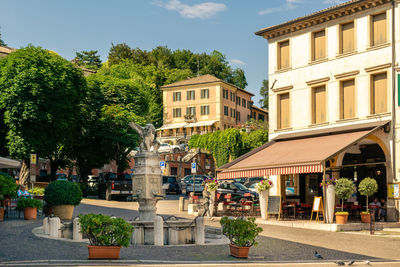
column 2, row 43
column 39, row 92
column 88, row 59
column 264, row 94
column 118, row 53
column 344, row 188
column 238, row 78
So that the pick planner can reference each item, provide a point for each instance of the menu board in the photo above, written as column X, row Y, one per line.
column 274, row 205
column 317, row 204
column 394, row 190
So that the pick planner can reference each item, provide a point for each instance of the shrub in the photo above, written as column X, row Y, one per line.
column 62, row 193
column 344, row 189
column 29, row 203
column 103, row 230
column 37, row 191
column 8, row 187
column 241, row 232
column 367, row 187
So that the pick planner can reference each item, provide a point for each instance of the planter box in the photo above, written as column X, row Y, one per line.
column 341, row 218
column 64, row 212
column 30, row 213
column 365, row 217
column 104, row 252
column 239, row 252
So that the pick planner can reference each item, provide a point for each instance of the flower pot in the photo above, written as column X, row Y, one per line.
column 330, row 203
column 30, row 213
column 239, row 252
column 264, row 203
column 341, row 218
column 1, row 214
column 104, row 252
column 365, row 217
column 64, row 212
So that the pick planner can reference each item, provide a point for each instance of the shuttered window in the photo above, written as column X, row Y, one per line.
column 378, row 29
column 319, row 104
column 177, row 112
column 379, row 93
column 191, row 111
column 347, row 38
column 283, row 55
column 205, row 93
column 176, row 96
column 226, row 111
column 319, row 45
column 205, row 110
column 347, row 99
column 190, row 95
column 284, row 111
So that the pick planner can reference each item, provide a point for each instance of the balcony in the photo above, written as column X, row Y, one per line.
column 190, row 118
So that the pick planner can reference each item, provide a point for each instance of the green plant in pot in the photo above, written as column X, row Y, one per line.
column 106, row 235
column 62, row 196
column 8, row 189
column 367, row 187
column 29, row 206
column 37, row 191
column 344, row 189
column 242, row 234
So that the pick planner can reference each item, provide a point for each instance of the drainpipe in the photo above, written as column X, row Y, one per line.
column 393, row 91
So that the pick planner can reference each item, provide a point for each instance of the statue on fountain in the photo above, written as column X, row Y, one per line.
column 147, row 135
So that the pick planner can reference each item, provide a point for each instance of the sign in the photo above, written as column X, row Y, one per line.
column 317, row 207
column 162, row 165
column 194, row 167
column 33, row 158
column 394, row 190
column 274, row 205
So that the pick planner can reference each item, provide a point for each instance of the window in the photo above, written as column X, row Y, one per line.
column 225, row 93
column 177, row 112
column 283, row 111
column 248, row 104
column 378, row 29
column 205, row 93
column 176, row 96
column 226, row 111
column 191, row 111
column 243, row 102
column 190, row 95
column 318, row 105
column 347, row 38
column 291, row 182
column 347, row 99
column 205, row 110
column 318, row 45
column 248, row 117
column 260, row 117
column 238, row 100
column 231, row 112
column 283, row 55
column 379, row 93
column 238, row 116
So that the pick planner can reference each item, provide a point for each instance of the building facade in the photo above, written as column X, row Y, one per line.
column 332, row 102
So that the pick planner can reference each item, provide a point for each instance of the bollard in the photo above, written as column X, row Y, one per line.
column 54, row 227
column 200, row 234
column 181, row 204
column 158, row 231
column 76, row 230
column 46, row 225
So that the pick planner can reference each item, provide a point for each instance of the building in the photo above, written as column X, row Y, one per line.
column 259, row 114
column 200, row 105
column 4, row 51
column 332, row 102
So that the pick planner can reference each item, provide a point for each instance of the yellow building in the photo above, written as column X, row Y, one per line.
column 200, row 105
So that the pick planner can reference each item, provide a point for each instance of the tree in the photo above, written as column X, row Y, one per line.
column 264, row 92
column 2, row 43
column 238, row 78
column 40, row 93
column 118, row 53
column 88, row 59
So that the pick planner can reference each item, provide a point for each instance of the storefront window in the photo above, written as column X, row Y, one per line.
column 291, row 184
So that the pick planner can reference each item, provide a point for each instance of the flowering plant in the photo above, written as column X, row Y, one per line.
column 212, row 184
column 328, row 181
column 264, row 185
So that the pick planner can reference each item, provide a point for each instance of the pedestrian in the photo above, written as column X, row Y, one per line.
column 206, row 202
column 382, row 210
column 22, row 192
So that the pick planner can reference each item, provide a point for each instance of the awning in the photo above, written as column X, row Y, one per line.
column 9, row 163
column 200, row 123
column 300, row 155
column 172, row 126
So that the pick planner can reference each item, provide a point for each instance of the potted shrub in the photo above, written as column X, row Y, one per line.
column 37, row 192
column 62, row 196
column 29, row 206
column 242, row 233
column 8, row 189
column 106, row 235
column 344, row 189
column 367, row 187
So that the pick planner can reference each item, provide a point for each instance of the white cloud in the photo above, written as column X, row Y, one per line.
column 203, row 10
column 235, row 61
column 289, row 4
column 334, row 2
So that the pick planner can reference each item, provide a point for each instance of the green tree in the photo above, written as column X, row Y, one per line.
column 88, row 59
column 118, row 53
column 2, row 43
column 238, row 78
column 264, row 90
column 39, row 92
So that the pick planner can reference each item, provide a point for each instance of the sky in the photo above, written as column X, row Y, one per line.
column 68, row 26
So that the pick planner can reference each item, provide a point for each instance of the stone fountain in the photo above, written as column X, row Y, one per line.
column 151, row 229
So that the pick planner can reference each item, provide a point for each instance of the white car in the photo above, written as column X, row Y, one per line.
column 167, row 148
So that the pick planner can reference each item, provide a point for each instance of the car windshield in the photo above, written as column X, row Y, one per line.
column 240, row 186
column 252, row 186
column 170, row 180
column 196, row 181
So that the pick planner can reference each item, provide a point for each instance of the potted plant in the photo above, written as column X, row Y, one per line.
column 367, row 187
column 262, row 188
column 106, row 235
column 37, row 192
column 344, row 189
column 29, row 206
column 242, row 234
column 62, row 196
column 8, row 189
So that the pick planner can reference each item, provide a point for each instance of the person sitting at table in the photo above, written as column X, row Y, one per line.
column 382, row 210
column 375, row 205
column 22, row 192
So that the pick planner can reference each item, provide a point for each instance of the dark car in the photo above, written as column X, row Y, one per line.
column 249, row 181
column 170, row 184
column 237, row 191
column 112, row 185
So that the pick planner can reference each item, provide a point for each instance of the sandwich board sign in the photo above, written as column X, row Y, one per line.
column 317, row 207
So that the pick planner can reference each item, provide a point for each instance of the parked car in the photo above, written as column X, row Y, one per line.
column 249, row 181
column 195, row 186
column 185, row 180
column 171, row 184
column 167, row 148
column 112, row 185
column 237, row 190
column 93, row 181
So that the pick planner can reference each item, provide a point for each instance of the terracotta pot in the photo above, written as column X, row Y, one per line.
column 104, row 252
column 341, row 218
column 64, row 212
column 1, row 214
column 239, row 252
column 30, row 213
column 365, row 217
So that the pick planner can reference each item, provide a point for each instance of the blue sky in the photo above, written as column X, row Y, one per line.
column 198, row 25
